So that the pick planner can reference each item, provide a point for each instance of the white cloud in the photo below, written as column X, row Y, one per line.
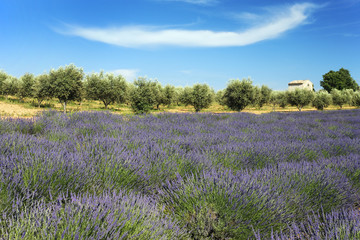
column 128, row 74
column 140, row 36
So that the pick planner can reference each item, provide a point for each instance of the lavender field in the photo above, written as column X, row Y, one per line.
column 94, row 175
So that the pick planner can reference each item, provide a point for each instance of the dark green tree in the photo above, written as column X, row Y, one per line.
column 322, row 100
column 42, row 88
column 300, row 97
column 26, row 86
column 339, row 80
column 66, row 84
column 239, row 94
column 107, row 88
column 202, row 96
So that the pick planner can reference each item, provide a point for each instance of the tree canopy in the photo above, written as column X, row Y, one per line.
column 239, row 94
column 339, row 80
column 106, row 88
column 300, row 97
column 27, row 82
column 202, row 96
column 143, row 95
column 322, row 100
column 66, row 84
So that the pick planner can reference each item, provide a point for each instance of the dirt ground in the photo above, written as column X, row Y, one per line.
column 16, row 110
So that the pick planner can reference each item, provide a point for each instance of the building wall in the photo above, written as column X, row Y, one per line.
column 306, row 84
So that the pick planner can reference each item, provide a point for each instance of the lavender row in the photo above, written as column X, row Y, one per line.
column 208, row 176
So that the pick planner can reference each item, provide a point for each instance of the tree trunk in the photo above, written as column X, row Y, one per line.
column 65, row 107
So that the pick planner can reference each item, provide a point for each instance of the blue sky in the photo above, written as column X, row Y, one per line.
column 183, row 42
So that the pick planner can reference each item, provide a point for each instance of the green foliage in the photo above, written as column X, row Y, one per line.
column 340, row 98
column 185, row 96
column 42, row 88
column 339, row 80
column 322, row 100
column 262, row 96
column 239, row 94
column 3, row 77
column 356, row 99
column 202, row 96
column 278, row 98
column 27, row 82
column 11, row 86
column 219, row 97
column 106, row 88
column 170, row 95
column 142, row 95
column 66, row 84
column 300, row 97
column 159, row 94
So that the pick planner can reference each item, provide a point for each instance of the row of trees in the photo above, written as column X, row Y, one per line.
column 69, row 83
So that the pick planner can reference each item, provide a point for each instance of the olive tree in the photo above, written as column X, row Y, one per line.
column 107, row 88
column 11, row 86
column 159, row 94
column 262, row 95
column 42, row 88
column 202, row 96
column 185, row 96
column 219, row 97
column 3, row 77
column 278, row 98
column 356, row 99
column 340, row 98
column 300, row 97
column 322, row 100
column 142, row 95
column 170, row 95
column 66, row 84
column 239, row 94
column 26, row 85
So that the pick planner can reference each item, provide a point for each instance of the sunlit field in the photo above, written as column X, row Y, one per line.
column 13, row 107
column 99, row 175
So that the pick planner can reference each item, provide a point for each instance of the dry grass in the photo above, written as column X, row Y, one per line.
column 16, row 110
column 13, row 108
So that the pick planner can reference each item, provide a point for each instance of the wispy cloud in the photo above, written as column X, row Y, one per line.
column 142, row 36
column 128, row 74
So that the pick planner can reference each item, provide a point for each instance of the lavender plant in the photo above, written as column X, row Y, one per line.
column 96, row 175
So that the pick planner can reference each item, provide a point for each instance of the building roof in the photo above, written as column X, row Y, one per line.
column 297, row 82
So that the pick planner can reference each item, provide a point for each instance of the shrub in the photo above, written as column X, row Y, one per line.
column 300, row 97
column 202, row 96
column 239, row 94
column 322, row 100
column 143, row 96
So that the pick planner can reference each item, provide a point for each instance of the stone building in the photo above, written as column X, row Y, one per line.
column 301, row 84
